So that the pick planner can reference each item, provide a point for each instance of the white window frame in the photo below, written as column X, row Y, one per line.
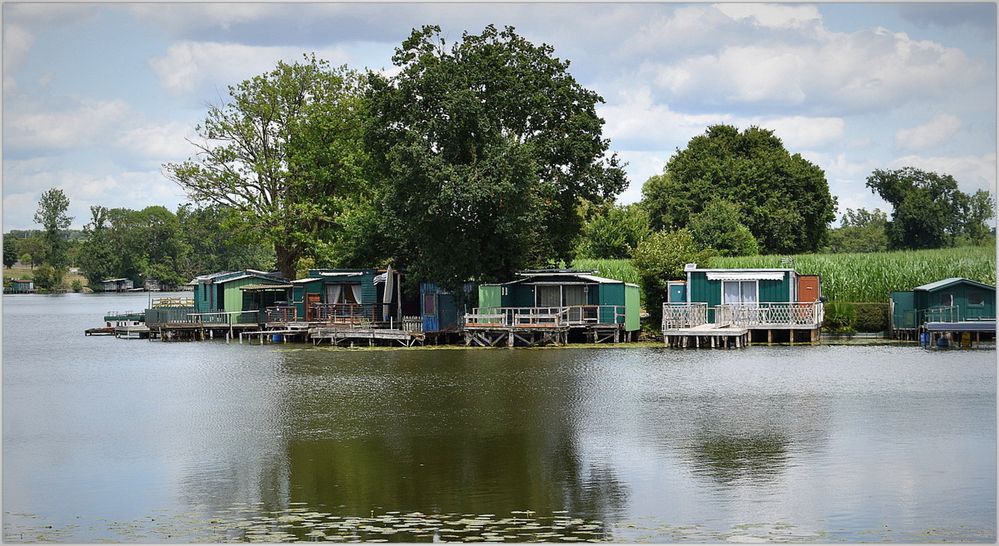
column 740, row 302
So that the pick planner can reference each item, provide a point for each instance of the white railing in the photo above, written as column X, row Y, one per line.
column 755, row 315
column 572, row 315
column 226, row 317
column 684, row 315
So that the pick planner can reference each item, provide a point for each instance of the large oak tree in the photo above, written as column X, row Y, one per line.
column 286, row 151
column 784, row 198
column 486, row 148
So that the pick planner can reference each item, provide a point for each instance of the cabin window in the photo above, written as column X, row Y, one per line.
column 976, row 297
column 739, row 292
column 946, row 299
column 429, row 304
column 549, row 296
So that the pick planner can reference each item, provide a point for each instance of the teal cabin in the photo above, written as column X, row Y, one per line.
column 766, row 300
column 370, row 294
column 21, row 286
column 948, row 300
column 557, row 298
column 238, row 291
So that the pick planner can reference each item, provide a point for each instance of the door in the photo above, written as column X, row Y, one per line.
column 310, row 300
column 574, row 297
column 677, row 292
column 808, row 288
column 548, row 296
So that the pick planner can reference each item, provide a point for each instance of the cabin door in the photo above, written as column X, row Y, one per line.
column 548, row 296
column 808, row 288
column 310, row 300
column 574, row 297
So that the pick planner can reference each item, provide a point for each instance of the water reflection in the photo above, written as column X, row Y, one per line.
column 729, row 459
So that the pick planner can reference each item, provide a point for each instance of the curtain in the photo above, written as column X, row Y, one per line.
column 749, row 292
column 333, row 293
column 731, row 292
column 356, row 290
column 549, row 296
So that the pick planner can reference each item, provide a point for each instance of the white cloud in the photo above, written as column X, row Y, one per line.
column 772, row 15
column 636, row 118
column 822, row 71
column 972, row 172
column 85, row 125
column 799, row 132
column 159, row 141
column 936, row 131
column 25, row 180
column 16, row 44
column 189, row 66
column 641, row 166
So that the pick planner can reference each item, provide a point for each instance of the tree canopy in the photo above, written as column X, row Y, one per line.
column 51, row 214
column 929, row 211
column 785, row 199
column 486, row 148
column 285, row 151
column 718, row 227
column 660, row 258
column 860, row 231
column 612, row 231
column 9, row 251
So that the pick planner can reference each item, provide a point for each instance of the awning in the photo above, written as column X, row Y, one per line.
column 341, row 274
column 745, row 275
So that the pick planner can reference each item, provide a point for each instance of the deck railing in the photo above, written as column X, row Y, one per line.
column 571, row 315
column 172, row 302
column 684, row 315
column 758, row 315
column 282, row 313
column 226, row 318
column 743, row 315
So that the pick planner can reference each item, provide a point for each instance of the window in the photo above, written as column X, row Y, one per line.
column 739, row 292
column 429, row 304
column 976, row 297
column 946, row 299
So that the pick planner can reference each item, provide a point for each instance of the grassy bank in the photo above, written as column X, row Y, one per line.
column 852, row 277
column 20, row 271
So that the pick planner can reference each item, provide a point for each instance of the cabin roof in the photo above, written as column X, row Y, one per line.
column 943, row 283
column 265, row 287
column 115, row 280
column 562, row 276
column 226, row 276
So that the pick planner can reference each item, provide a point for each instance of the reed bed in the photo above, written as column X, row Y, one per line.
column 862, row 277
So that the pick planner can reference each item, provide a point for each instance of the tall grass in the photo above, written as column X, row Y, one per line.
column 850, row 277
column 612, row 269
column 873, row 276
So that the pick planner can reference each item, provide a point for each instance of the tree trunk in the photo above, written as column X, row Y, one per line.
column 286, row 259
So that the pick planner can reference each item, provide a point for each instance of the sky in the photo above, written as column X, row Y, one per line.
column 97, row 97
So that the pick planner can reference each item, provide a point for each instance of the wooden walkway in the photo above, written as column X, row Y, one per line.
column 336, row 335
column 707, row 335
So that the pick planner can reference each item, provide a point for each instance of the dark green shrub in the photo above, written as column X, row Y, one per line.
column 871, row 317
column 839, row 318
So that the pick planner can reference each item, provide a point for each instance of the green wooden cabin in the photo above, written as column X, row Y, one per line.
column 567, row 288
column 363, row 288
column 753, row 287
column 21, row 286
column 232, row 291
column 948, row 300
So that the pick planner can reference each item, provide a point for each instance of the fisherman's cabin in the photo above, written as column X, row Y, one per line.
column 554, row 306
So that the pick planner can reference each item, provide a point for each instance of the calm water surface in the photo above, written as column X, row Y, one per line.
column 140, row 441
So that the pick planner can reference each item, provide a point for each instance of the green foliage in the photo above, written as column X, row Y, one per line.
column 51, row 214
column 839, row 318
column 486, row 147
column 860, row 231
column 9, row 251
column 660, row 258
column 47, row 277
column 929, row 209
column 623, row 270
column 871, row 317
column 718, row 227
column 139, row 245
column 283, row 152
column 216, row 239
column 76, row 285
column 873, row 276
column 847, row 318
column 785, row 198
column 33, row 249
column 613, row 232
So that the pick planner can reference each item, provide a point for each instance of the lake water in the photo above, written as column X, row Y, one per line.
column 145, row 441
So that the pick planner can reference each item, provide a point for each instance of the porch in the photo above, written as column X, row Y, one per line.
column 777, row 321
column 491, row 326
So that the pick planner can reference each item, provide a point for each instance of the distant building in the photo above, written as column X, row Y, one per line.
column 21, row 286
column 117, row 285
column 152, row 285
column 948, row 300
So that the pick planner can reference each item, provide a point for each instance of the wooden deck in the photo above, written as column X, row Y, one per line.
column 336, row 335
column 707, row 335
